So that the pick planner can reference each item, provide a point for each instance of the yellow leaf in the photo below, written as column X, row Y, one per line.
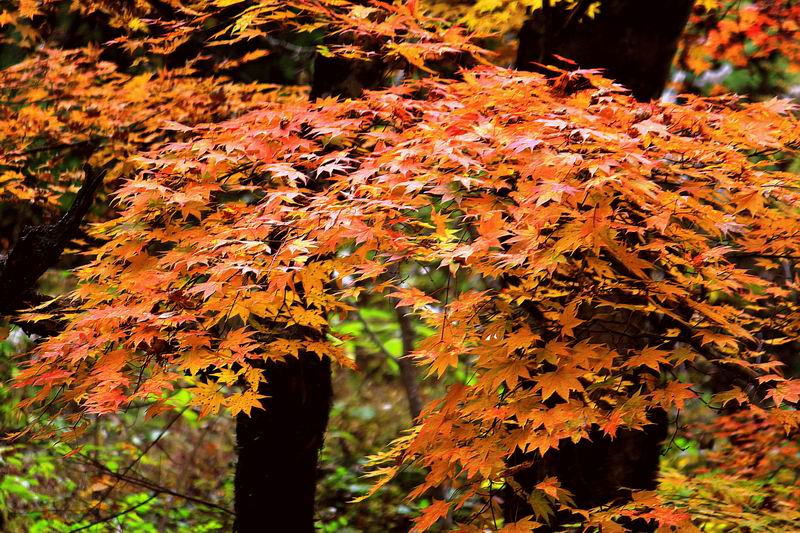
column 243, row 402
column 569, row 320
column 207, row 396
column 649, row 357
column 560, row 382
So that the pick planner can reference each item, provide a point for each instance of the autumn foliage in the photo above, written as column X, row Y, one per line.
column 601, row 257
column 742, row 34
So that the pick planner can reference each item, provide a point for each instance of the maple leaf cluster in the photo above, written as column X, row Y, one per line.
column 393, row 33
column 741, row 470
column 612, row 245
column 752, row 35
column 58, row 105
column 613, row 250
column 499, row 17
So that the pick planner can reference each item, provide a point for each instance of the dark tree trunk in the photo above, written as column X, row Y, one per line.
column 596, row 471
column 278, row 447
column 40, row 247
column 344, row 78
column 634, row 41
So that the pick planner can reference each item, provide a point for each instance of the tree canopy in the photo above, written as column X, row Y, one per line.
column 585, row 258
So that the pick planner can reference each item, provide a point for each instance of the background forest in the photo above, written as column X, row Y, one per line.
column 106, row 107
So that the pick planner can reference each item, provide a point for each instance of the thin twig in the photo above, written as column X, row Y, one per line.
column 148, row 484
column 132, row 464
column 116, row 515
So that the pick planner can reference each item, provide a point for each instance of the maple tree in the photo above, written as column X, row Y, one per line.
column 749, row 36
column 595, row 255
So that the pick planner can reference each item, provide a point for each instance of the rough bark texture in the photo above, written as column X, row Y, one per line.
column 633, row 40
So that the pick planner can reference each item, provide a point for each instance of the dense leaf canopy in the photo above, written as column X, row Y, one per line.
column 599, row 254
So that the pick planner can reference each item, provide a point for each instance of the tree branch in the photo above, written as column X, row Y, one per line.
column 116, row 515
column 40, row 247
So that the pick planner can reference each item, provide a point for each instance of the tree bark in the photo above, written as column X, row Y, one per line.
column 634, row 41
column 345, row 78
column 40, row 247
column 278, row 447
column 596, row 471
